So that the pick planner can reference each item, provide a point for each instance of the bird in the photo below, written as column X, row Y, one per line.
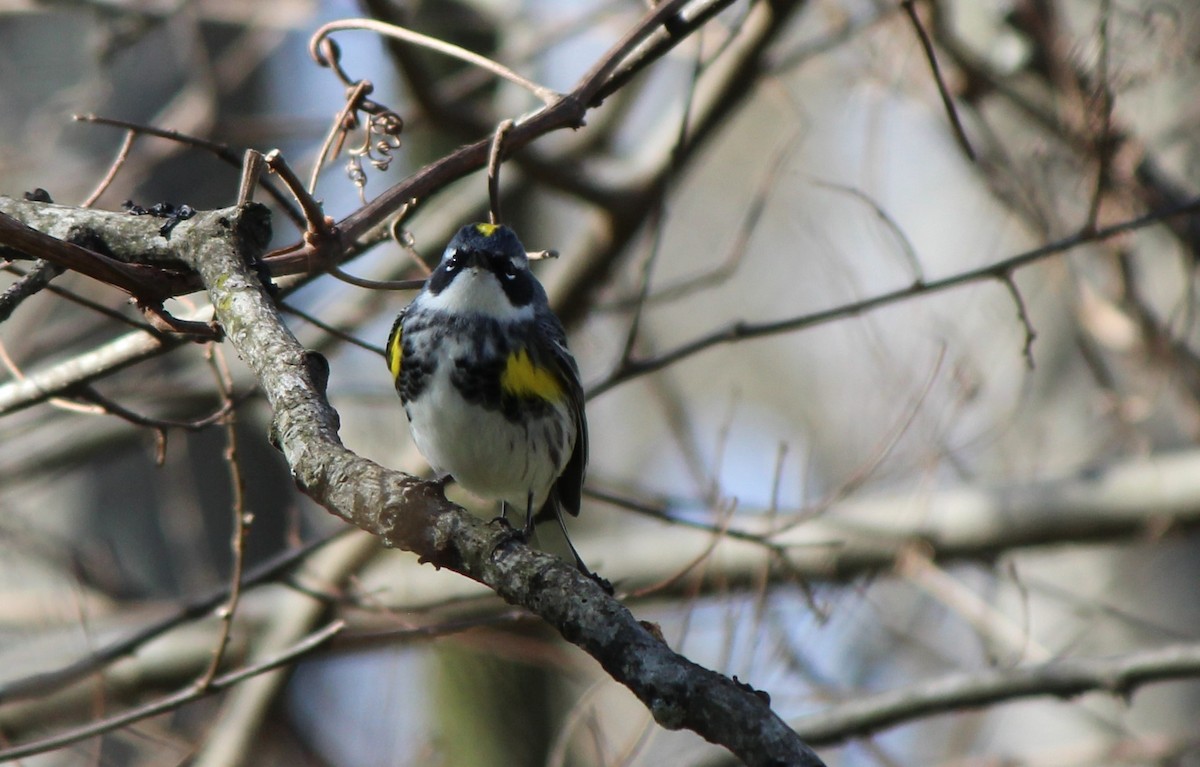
column 491, row 390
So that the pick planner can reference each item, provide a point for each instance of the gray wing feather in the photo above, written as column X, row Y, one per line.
column 569, row 487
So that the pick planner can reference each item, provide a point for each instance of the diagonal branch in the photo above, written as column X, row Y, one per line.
column 316, row 49
column 148, row 284
column 568, row 111
column 414, row 515
column 1062, row 677
column 1002, row 270
column 175, row 701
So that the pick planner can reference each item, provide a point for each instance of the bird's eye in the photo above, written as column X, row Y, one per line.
column 452, row 262
column 510, row 270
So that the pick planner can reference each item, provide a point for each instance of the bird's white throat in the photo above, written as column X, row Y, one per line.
column 476, row 291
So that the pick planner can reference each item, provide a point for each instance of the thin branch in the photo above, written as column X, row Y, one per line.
column 222, row 152
column 546, row 95
column 493, row 169
column 960, row 133
column 147, row 284
column 646, row 271
column 316, row 224
column 330, row 329
column 1023, row 316
column 173, row 702
column 111, row 407
column 252, row 165
column 1000, row 634
column 104, row 360
column 757, row 32
column 701, row 559
column 48, row 682
column 336, row 136
column 591, row 84
column 661, row 511
column 241, row 518
column 883, row 447
column 1061, row 678
column 361, row 282
column 354, row 641
column 86, row 303
column 445, row 101
column 111, row 175
column 30, row 284
column 1103, row 142
column 743, row 330
column 664, row 38
column 737, row 251
column 238, row 725
column 906, row 246
column 657, row 215
column 565, row 112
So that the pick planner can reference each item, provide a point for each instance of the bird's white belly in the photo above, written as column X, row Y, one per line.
column 486, row 453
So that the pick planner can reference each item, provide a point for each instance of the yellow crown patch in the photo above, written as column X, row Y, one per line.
column 487, row 230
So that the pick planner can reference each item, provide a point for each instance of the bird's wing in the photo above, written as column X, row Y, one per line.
column 570, row 483
column 394, row 350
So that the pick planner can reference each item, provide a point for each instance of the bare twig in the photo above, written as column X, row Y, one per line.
column 776, row 164
column 316, row 224
column 315, row 50
column 341, row 125
column 495, row 156
column 361, row 282
column 591, row 84
column 701, row 559
column 997, row 270
column 1062, row 678
column 87, row 303
column 252, row 165
column 49, row 681
column 118, row 354
column 222, row 152
column 1104, row 141
column 172, row 702
column 1000, row 633
column 30, row 284
column 960, row 133
column 241, row 518
column 112, row 407
column 1023, row 316
column 349, row 338
column 656, row 215
column 64, row 404
column 147, row 284
column 661, row 512
column 565, row 112
column 906, row 246
column 111, row 175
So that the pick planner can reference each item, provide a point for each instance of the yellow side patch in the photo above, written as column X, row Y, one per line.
column 394, row 353
column 521, row 378
column 487, row 230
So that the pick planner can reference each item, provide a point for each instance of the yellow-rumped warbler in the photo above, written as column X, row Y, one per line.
column 491, row 391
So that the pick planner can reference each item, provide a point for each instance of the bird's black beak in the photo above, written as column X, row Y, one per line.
column 473, row 259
